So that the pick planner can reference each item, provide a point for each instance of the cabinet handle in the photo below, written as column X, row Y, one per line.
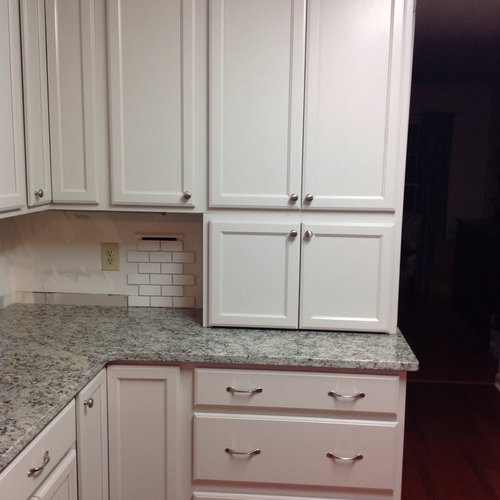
column 358, row 456
column 230, row 451
column 337, row 395
column 294, row 197
column 186, row 195
column 308, row 234
column 309, row 197
column 36, row 470
column 89, row 403
column 293, row 233
column 39, row 193
column 255, row 390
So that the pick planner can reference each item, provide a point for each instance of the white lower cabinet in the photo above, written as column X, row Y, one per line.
column 143, row 440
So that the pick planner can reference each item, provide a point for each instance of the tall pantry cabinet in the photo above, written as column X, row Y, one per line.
column 308, row 112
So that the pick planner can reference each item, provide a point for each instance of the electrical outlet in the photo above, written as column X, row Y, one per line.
column 110, row 257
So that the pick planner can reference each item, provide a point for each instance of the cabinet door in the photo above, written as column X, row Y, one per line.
column 347, row 277
column 61, row 484
column 92, row 439
column 72, row 99
column 143, row 448
column 36, row 109
column 254, row 274
column 256, row 102
column 152, row 107
column 353, row 103
column 12, row 187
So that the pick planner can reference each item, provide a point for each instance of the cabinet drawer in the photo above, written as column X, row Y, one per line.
column 57, row 438
column 297, row 390
column 294, row 450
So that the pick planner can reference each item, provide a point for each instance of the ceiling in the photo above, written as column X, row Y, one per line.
column 457, row 41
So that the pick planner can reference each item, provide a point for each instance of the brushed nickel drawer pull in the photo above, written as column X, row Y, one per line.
column 358, row 395
column 358, row 456
column 230, row 451
column 255, row 390
column 35, row 470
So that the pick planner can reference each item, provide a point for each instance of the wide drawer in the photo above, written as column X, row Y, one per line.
column 294, row 450
column 366, row 393
column 56, row 439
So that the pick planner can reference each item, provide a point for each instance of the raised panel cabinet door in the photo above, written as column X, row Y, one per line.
column 12, row 166
column 356, row 104
column 36, row 107
column 347, row 277
column 254, row 274
column 256, row 102
column 143, row 447
column 72, row 100
column 152, row 101
column 62, row 483
column 92, row 439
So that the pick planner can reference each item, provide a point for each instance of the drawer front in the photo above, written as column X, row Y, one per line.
column 199, row 495
column 297, row 390
column 294, row 450
column 57, row 438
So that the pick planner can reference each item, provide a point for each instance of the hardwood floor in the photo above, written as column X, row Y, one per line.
column 452, row 433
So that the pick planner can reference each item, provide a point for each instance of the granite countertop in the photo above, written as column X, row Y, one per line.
column 49, row 352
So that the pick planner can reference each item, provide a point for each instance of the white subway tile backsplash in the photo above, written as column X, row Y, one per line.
column 161, row 301
column 148, row 245
column 150, row 290
column 172, row 291
column 150, row 267
column 172, row 246
column 183, row 301
column 172, row 268
column 134, row 301
column 183, row 279
column 133, row 256
column 186, row 257
column 137, row 279
column 160, row 257
column 162, row 279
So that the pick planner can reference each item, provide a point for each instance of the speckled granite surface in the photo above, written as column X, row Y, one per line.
column 48, row 353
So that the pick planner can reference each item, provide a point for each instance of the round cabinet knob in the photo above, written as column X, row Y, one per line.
column 89, row 403
column 293, row 233
column 294, row 197
column 39, row 193
column 309, row 197
column 308, row 234
column 186, row 195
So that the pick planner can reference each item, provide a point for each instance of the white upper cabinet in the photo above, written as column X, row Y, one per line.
column 256, row 102
column 12, row 166
column 353, row 103
column 153, row 101
column 72, row 100
column 36, row 110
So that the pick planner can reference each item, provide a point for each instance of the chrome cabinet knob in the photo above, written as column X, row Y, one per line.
column 293, row 233
column 308, row 234
column 39, row 193
column 89, row 403
column 186, row 195
column 309, row 197
column 294, row 197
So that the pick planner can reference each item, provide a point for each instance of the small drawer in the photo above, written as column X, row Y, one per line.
column 266, row 389
column 57, row 438
column 294, row 451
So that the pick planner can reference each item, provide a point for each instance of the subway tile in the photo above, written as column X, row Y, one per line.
column 148, row 245
column 183, row 279
column 186, row 257
column 161, row 301
column 149, row 290
column 134, row 301
column 149, row 267
column 183, row 301
column 172, row 246
column 138, row 279
column 172, row 291
column 172, row 268
column 160, row 256
column 133, row 256
column 161, row 279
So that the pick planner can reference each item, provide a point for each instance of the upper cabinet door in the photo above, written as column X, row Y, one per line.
column 256, row 102
column 12, row 166
column 36, row 109
column 72, row 100
column 352, row 103
column 152, row 101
